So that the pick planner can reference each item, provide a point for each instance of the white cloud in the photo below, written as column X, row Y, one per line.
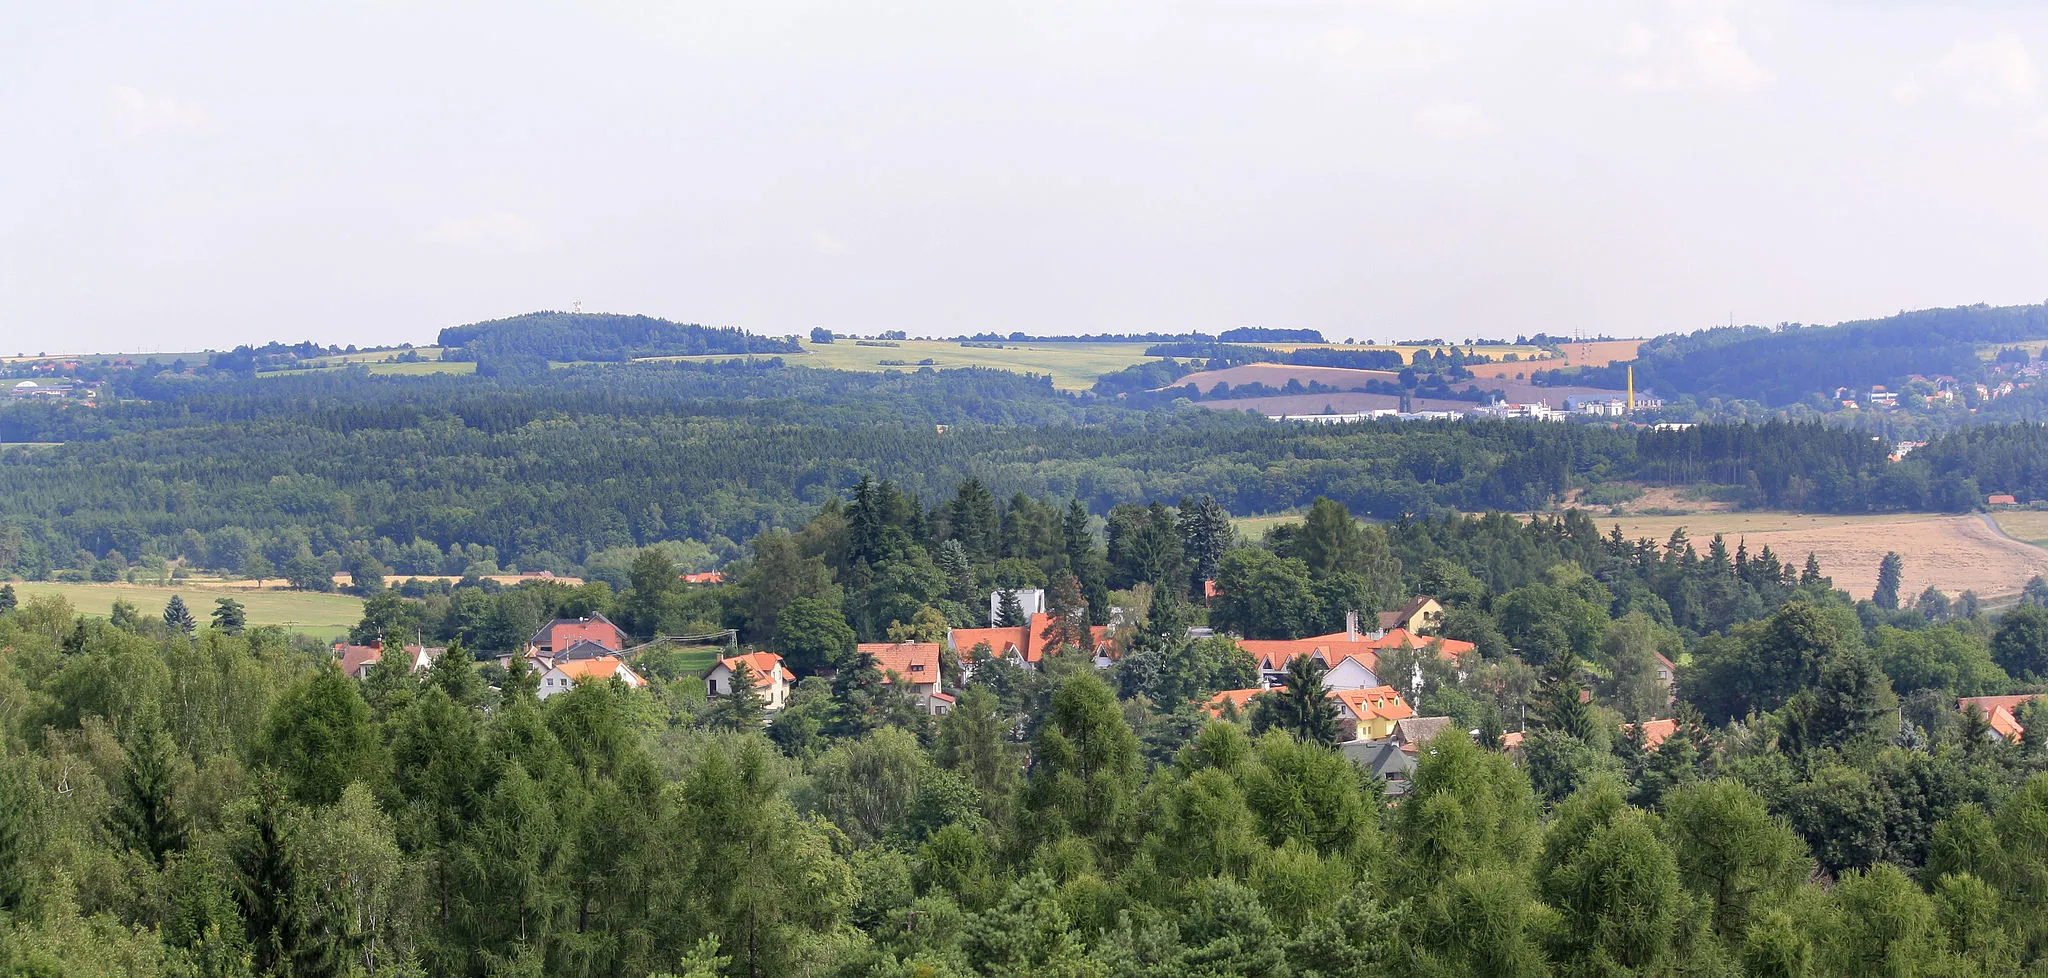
column 1985, row 74
column 140, row 115
column 1455, row 120
column 494, row 229
column 1703, row 54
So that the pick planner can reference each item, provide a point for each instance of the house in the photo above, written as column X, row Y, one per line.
column 1024, row 644
column 707, row 577
column 772, row 680
column 2001, row 711
column 1655, row 732
column 1228, row 701
column 1369, row 714
column 1382, row 759
column 1411, row 733
column 914, row 664
column 1421, row 614
column 1353, row 658
column 356, row 660
column 1030, row 601
column 564, row 676
column 565, row 632
column 2000, row 499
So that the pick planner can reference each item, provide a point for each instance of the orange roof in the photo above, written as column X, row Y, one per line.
column 916, row 662
column 1028, row 640
column 1379, row 702
column 764, row 665
column 1274, row 654
column 1655, row 732
column 2001, row 711
column 2000, row 499
column 1241, row 697
column 603, row 667
column 708, row 577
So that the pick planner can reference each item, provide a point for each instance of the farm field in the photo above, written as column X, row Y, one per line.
column 2028, row 525
column 386, row 369
column 1953, row 553
column 1342, row 402
column 1252, row 529
column 1276, row 375
column 322, row 616
column 1072, row 366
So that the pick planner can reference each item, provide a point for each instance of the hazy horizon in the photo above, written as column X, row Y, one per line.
column 370, row 172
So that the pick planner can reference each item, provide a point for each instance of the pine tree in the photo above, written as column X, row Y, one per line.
column 1889, row 574
column 179, row 617
column 1009, row 611
column 1303, row 708
column 145, row 817
column 742, row 708
column 14, row 843
column 228, row 616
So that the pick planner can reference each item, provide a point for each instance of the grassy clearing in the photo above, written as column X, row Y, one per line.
column 375, row 356
column 2024, row 524
column 1072, row 366
column 2034, row 348
column 1252, row 529
column 320, row 615
column 386, row 369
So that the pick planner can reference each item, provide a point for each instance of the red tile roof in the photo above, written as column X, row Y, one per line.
column 764, row 665
column 1241, row 697
column 1655, row 732
column 1273, row 655
column 1027, row 640
column 708, row 577
column 561, row 633
column 604, row 668
column 916, row 662
column 2001, row 711
column 356, row 658
column 1379, row 702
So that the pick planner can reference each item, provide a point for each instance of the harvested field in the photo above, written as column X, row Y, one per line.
column 1953, row 553
column 1346, row 402
column 1575, row 355
column 1277, row 375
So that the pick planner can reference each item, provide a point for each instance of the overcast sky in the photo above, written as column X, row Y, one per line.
column 201, row 174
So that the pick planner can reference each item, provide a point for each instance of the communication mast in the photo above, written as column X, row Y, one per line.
column 576, row 305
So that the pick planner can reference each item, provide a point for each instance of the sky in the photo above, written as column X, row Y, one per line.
column 202, row 174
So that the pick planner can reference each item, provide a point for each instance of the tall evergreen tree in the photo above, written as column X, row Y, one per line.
column 1066, row 615
column 229, row 616
column 742, row 708
column 8, row 602
column 145, row 817
column 1303, row 706
column 1009, row 610
column 1890, row 572
column 178, row 617
column 14, row 844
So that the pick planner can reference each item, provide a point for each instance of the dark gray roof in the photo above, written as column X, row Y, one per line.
column 1382, row 759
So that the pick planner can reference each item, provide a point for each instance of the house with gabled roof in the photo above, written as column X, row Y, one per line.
column 2002, row 712
column 772, row 679
column 1024, row 644
column 564, row 676
column 356, row 660
column 1369, row 714
column 560, row 634
column 913, row 665
column 1422, row 613
column 1353, row 658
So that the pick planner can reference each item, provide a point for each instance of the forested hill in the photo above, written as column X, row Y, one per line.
column 569, row 336
column 1788, row 365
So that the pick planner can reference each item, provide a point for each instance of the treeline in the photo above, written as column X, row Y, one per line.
column 183, row 800
column 1220, row 356
column 564, row 336
column 1794, row 363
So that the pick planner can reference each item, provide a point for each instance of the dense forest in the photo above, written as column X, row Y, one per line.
column 1793, row 364
column 546, row 472
column 189, row 800
column 567, row 337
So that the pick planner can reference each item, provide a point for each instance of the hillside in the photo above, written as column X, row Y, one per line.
column 572, row 336
column 1795, row 363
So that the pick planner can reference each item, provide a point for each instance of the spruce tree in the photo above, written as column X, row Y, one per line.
column 1304, row 708
column 742, row 708
column 8, row 602
column 178, row 617
column 14, row 842
column 145, row 817
column 228, row 616
column 1890, row 572
column 1009, row 610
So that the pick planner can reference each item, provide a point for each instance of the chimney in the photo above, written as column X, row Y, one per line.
column 1351, row 625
